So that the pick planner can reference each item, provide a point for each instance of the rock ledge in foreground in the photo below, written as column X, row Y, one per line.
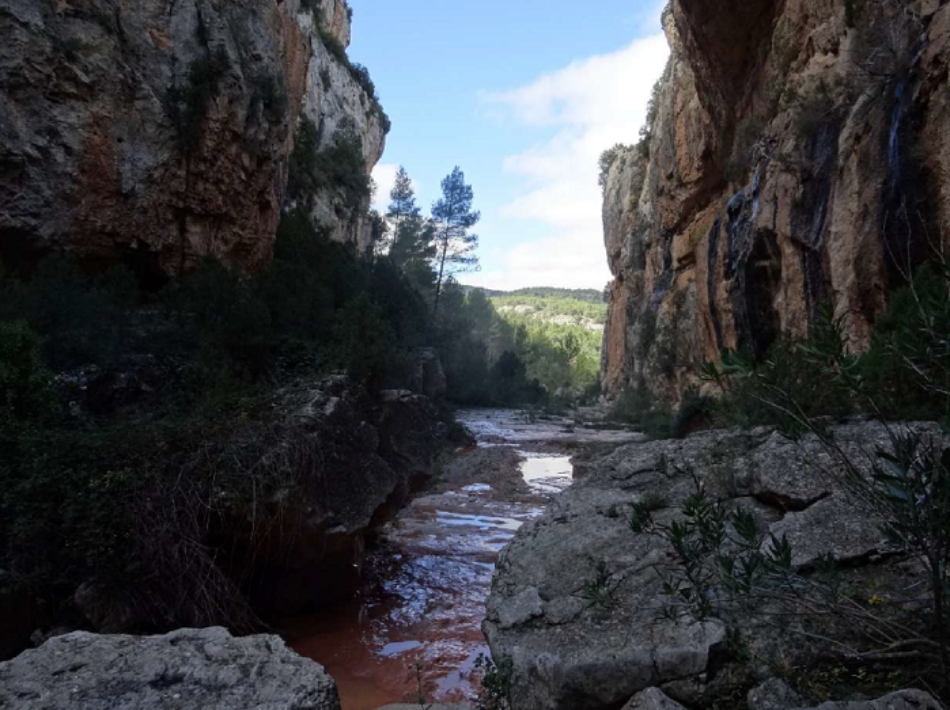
column 188, row 668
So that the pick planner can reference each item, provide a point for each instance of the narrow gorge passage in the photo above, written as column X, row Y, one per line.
column 417, row 620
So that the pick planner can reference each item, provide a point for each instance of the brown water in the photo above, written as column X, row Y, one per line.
column 416, row 623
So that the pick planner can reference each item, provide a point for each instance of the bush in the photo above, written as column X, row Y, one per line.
column 644, row 146
column 270, row 93
column 606, row 162
column 496, row 681
column 817, row 109
column 340, row 166
column 637, row 406
column 743, row 149
column 359, row 73
column 905, row 370
column 188, row 106
column 128, row 502
column 81, row 320
column 508, row 382
column 905, row 373
column 27, row 392
column 781, row 388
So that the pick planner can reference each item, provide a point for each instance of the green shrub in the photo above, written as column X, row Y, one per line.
column 270, row 93
column 606, row 162
column 779, row 389
column 496, row 680
column 645, row 144
column 816, row 109
column 187, row 106
column 741, row 159
column 81, row 320
column 636, row 406
column 314, row 6
column 906, row 370
column 27, row 392
column 358, row 72
column 508, row 382
column 223, row 319
column 340, row 166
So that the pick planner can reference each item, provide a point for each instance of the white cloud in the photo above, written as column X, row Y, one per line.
column 384, row 175
column 590, row 105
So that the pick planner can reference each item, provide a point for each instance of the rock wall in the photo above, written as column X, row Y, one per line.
column 157, row 132
column 799, row 157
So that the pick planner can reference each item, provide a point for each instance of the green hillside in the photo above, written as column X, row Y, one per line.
column 558, row 334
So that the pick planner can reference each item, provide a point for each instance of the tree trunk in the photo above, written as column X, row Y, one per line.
column 438, row 283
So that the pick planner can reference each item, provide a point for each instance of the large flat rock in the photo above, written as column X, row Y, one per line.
column 189, row 668
column 574, row 648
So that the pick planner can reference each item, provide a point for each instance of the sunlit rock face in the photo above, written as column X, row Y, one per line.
column 799, row 158
column 155, row 133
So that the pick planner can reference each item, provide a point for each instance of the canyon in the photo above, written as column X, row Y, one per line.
column 796, row 158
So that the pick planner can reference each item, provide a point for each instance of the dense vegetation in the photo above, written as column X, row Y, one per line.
column 478, row 348
column 558, row 334
column 150, row 386
column 119, row 405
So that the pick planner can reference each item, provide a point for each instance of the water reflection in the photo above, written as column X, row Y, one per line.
column 426, row 583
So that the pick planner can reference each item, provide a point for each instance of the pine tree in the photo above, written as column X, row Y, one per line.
column 412, row 241
column 453, row 217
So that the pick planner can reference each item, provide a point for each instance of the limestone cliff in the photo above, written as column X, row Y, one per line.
column 799, row 156
column 157, row 132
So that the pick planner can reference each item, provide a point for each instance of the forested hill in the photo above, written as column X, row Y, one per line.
column 579, row 294
column 556, row 332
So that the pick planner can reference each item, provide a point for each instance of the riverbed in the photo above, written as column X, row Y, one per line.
column 414, row 629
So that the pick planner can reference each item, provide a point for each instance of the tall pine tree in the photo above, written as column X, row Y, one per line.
column 412, row 244
column 453, row 218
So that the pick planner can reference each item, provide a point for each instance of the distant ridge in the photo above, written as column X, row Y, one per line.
column 581, row 294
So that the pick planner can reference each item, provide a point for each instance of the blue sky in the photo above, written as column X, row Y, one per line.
column 523, row 95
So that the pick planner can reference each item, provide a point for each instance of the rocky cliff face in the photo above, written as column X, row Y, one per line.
column 157, row 132
column 799, row 157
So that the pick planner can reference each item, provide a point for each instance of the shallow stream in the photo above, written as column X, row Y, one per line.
column 416, row 623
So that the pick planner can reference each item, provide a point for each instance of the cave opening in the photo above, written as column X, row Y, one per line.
column 763, row 279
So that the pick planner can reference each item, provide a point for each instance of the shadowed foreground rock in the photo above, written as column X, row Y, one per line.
column 654, row 699
column 189, row 668
column 570, row 648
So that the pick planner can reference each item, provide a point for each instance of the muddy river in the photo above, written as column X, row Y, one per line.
column 415, row 624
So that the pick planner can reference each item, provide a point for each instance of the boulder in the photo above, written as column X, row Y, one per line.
column 188, row 668
column 773, row 694
column 901, row 700
column 652, row 699
column 345, row 464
